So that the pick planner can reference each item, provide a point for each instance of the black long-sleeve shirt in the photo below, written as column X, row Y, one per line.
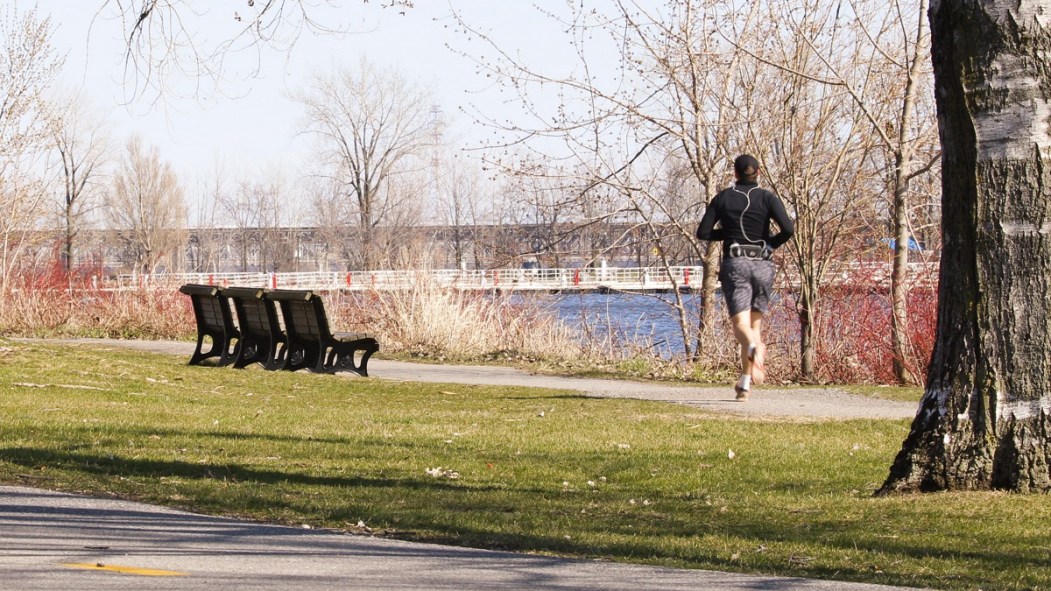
column 744, row 212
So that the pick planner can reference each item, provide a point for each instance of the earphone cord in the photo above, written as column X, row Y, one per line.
column 748, row 203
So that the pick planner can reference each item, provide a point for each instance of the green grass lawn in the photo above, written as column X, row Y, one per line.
column 505, row 468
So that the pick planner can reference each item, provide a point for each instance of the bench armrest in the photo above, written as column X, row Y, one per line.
column 196, row 289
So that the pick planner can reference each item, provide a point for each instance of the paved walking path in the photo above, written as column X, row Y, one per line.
column 58, row 541
column 826, row 403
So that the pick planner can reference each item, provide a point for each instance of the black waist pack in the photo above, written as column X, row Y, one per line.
column 750, row 251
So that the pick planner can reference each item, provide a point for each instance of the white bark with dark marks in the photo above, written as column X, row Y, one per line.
column 985, row 420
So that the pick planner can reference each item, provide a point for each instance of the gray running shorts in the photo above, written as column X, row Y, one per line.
column 747, row 284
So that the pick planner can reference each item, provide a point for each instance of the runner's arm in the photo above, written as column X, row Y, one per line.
column 779, row 215
column 706, row 230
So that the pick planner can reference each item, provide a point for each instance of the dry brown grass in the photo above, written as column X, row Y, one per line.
column 142, row 314
column 448, row 324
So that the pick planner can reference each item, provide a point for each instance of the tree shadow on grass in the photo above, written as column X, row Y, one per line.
column 108, row 465
column 670, row 533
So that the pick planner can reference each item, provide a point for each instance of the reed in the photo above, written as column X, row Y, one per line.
column 448, row 324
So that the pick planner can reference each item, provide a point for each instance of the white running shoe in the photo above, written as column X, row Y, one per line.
column 742, row 387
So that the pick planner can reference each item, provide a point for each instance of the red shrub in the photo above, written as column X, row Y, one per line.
column 853, row 332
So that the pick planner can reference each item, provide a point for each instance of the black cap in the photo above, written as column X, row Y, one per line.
column 746, row 167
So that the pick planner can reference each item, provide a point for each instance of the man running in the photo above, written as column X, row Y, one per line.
column 746, row 273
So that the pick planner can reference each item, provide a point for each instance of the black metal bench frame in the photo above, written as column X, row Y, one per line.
column 312, row 344
column 215, row 321
column 262, row 338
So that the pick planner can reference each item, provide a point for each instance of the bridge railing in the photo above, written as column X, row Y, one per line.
column 583, row 279
column 614, row 278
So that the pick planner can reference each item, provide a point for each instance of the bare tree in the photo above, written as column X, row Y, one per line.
column 893, row 93
column 278, row 218
column 458, row 197
column 548, row 205
column 372, row 127
column 245, row 208
column 701, row 80
column 80, row 144
column 813, row 143
column 671, row 96
column 908, row 136
column 700, row 74
column 332, row 215
column 985, row 418
column 205, row 250
column 397, row 244
column 28, row 64
column 261, row 212
column 145, row 207
column 164, row 41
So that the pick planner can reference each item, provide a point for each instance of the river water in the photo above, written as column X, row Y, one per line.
column 649, row 320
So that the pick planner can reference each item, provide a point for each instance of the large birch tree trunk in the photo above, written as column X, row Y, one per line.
column 985, row 419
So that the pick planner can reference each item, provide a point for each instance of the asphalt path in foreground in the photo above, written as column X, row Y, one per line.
column 59, row 541
column 54, row 541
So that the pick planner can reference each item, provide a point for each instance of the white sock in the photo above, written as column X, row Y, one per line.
column 751, row 350
column 745, row 383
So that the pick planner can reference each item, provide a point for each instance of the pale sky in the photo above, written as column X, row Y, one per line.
column 253, row 128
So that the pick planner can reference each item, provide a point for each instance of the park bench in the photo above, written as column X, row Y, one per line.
column 215, row 322
column 311, row 342
column 262, row 338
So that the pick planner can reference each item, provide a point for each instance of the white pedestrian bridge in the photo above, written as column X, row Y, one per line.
column 621, row 279
column 633, row 279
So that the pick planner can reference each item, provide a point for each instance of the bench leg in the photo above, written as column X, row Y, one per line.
column 325, row 362
column 363, row 366
column 277, row 357
column 342, row 359
column 200, row 354
column 231, row 351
